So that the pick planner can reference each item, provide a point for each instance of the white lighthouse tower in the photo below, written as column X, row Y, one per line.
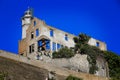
column 26, row 21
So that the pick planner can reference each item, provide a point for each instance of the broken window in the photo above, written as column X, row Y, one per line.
column 66, row 37
column 51, row 33
column 37, row 32
column 43, row 44
column 31, row 48
column 32, row 35
column 39, row 45
column 97, row 44
column 54, row 46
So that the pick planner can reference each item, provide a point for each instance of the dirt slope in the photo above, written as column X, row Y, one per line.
column 21, row 71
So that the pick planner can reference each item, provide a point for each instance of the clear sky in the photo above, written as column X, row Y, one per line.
column 97, row 18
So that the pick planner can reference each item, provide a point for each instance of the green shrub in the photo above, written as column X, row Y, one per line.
column 114, row 64
column 83, row 48
column 93, row 52
column 63, row 53
column 80, row 40
column 3, row 75
column 73, row 78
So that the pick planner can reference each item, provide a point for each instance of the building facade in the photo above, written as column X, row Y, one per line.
column 38, row 36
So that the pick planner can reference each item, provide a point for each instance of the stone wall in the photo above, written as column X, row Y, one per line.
column 79, row 63
column 50, row 67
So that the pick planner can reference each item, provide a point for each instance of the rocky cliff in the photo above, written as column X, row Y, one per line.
column 78, row 63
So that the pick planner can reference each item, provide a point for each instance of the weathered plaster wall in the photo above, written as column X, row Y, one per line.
column 93, row 42
column 58, row 37
column 22, row 47
column 44, row 32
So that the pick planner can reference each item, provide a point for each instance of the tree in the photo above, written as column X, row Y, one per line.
column 80, row 41
column 63, row 53
column 114, row 64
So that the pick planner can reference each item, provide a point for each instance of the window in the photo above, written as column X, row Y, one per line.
column 58, row 46
column 97, row 44
column 43, row 44
column 51, row 32
column 66, row 37
column 31, row 48
column 34, row 23
column 39, row 45
column 37, row 32
column 32, row 35
column 47, row 44
column 54, row 46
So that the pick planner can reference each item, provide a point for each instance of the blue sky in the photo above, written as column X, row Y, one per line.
column 97, row 18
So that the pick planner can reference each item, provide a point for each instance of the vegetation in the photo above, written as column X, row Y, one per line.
column 114, row 65
column 82, row 47
column 93, row 52
column 73, row 78
column 80, row 41
column 63, row 53
column 3, row 75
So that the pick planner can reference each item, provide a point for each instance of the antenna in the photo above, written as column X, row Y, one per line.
column 32, row 11
column 28, row 3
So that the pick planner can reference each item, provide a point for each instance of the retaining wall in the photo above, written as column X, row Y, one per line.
column 49, row 67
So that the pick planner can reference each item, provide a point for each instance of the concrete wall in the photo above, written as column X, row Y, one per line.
column 101, row 46
column 49, row 67
column 59, row 36
column 22, row 47
column 44, row 32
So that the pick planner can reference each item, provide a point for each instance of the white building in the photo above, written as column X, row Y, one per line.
column 38, row 36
